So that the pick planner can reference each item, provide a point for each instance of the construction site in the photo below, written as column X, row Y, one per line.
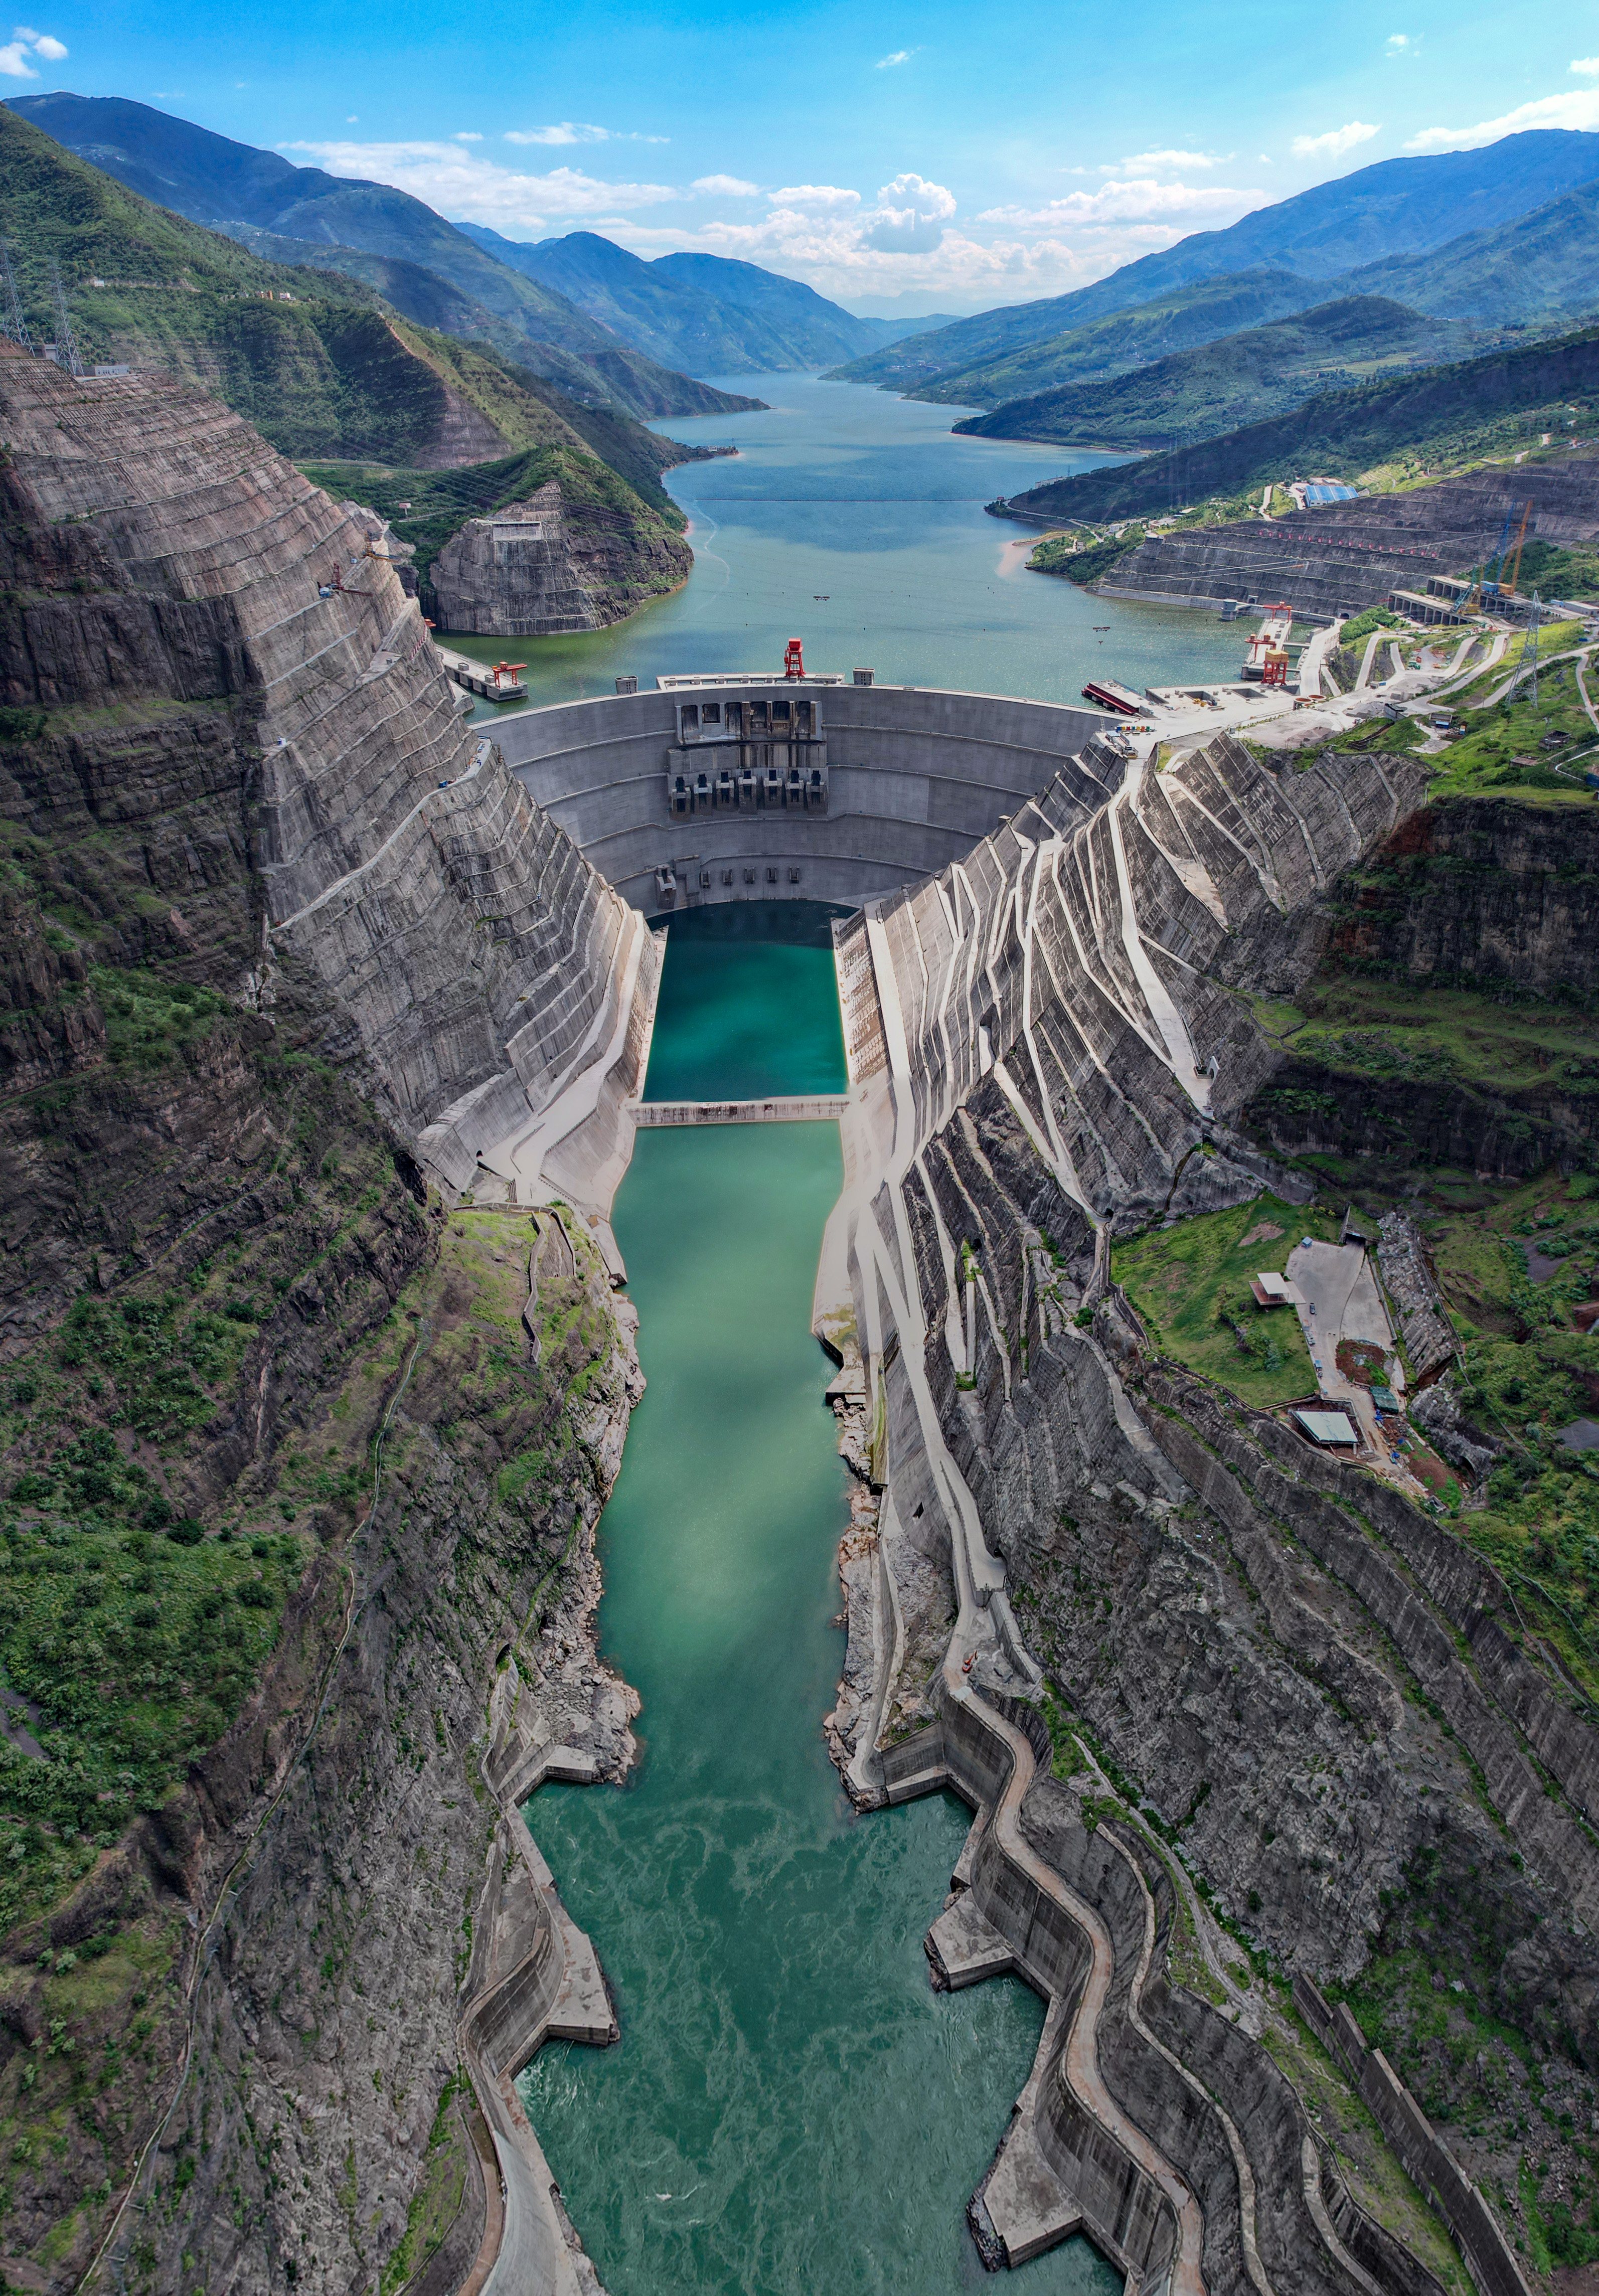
column 1333, row 559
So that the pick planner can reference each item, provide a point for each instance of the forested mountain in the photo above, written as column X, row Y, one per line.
column 1398, row 208
column 319, row 363
column 238, row 190
column 1340, row 432
column 1257, row 372
column 702, row 313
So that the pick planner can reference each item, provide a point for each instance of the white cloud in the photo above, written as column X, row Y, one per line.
column 1577, row 107
column 815, row 196
column 724, row 187
column 1165, row 163
column 464, row 182
column 910, row 215
column 23, row 45
column 1136, row 199
column 1401, row 44
column 576, row 131
column 352, row 120
column 466, row 135
column 900, row 56
column 1335, row 142
column 1588, row 66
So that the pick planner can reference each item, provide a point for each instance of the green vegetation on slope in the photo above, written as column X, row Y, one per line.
column 1411, row 207
column 1541, row 753
column 1254, row 374
column 1083, row 560
column 707, row 313
column 1191, row 1284
column 1447, row 411
column 442, row 501
column 319, row 366
column 437, row 271
column 1178, row 321
column 1414, row 1033
column 1539, row 268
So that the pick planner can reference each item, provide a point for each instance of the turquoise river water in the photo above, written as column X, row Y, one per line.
column 854, row 521
column 791, row 2110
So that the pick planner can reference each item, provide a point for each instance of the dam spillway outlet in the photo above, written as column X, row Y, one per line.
column 732, row 788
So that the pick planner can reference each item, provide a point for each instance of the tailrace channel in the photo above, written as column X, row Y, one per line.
column 791, row 2109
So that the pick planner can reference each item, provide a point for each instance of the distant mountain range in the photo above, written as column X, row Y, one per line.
column 1340, row 432
column 703, row 313
column 317, row 362
column 1256, row 372
column 236, row 189
column 1396, row 213
column 579, row 310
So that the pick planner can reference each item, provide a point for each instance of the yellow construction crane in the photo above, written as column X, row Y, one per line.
column 1507, row 589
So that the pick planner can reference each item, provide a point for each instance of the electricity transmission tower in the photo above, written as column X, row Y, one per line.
column 12, row 324
column 66, row 342
column 1537, row 609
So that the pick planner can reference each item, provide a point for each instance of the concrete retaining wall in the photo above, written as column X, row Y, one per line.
column 915, row 777
column 1122, row 2209
column 1487, row 2253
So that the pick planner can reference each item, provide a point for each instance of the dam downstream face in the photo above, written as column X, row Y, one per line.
column 791, row 2108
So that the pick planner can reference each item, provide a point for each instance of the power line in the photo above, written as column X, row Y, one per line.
column 66, row 342
column 14, row 325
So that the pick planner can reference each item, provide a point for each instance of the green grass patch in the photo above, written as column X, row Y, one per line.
column 1402, row 1031
column 1191, row 1284
column 436, row 2200
column 1359, row 627
column 1081, row 558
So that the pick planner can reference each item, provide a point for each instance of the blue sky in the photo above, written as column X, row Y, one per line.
column 899, row 158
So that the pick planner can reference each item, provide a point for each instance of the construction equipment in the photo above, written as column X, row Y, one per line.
column 1485, row 586
column 1267, row 656
column 1508, row 589
column 793, row 658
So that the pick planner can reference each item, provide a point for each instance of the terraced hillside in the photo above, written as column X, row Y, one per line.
column 1341, row 556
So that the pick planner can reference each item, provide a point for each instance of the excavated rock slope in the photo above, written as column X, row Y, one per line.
column 549, row 566
column 283, row 936
column 1321, row 1696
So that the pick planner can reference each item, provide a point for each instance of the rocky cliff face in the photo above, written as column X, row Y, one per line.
column 1321, row 1699
column 1479, row 898
column 555, row 564
column 295, row 1483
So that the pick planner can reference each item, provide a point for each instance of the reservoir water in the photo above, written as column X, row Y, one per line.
column 791, row 2110
column 854, row 521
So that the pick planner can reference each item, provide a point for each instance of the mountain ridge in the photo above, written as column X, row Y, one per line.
column 709, row 313
column 1223, row 384
column 1342, row 432
column 236, row 189
column 1401, row 208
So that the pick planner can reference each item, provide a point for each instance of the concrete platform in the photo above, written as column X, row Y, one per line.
column 963, row 1948
column 1028, row 2206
